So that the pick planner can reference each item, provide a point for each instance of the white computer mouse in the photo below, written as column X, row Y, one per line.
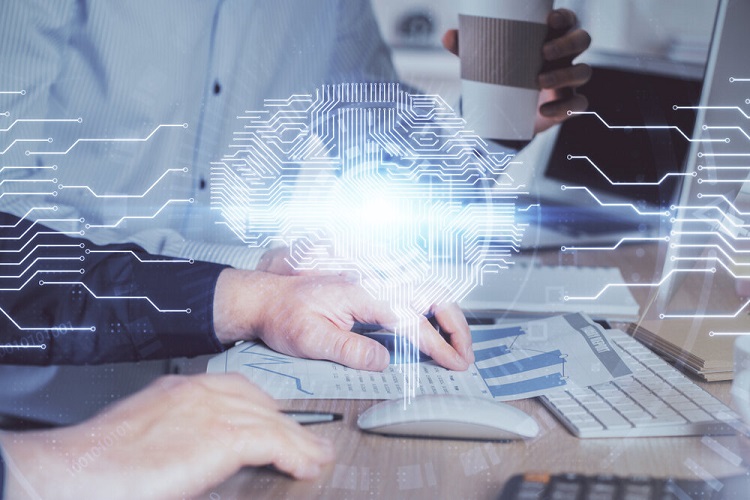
column 449, row 416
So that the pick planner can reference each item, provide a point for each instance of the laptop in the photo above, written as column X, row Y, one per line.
column 629, row 169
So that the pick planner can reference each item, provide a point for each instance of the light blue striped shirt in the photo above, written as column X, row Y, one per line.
column 141, row 68
column 125, row 68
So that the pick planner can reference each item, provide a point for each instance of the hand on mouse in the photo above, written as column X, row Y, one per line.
column 178, row 437
column 312, row 317
column 560, row 77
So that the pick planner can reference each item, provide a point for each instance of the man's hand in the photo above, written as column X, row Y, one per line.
column 176, row 438
column 559, row 77
column 312, row 317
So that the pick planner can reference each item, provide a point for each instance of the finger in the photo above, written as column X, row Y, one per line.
column 453, row 324
column 343, row 347
column 298, row 454
column 568, row 45
column 450, row 41
column 561, row 20
column 572, row 76
column 558, row 110
column 435, row 346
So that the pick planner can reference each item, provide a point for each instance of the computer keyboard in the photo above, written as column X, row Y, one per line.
column 656, row 400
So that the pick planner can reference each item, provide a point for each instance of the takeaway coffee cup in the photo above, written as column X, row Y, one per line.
column 500, row 46
column 741, row 383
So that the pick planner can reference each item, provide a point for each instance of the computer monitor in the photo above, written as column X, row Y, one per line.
column 709, row 248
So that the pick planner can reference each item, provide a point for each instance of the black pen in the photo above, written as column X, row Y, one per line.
column 312, row 417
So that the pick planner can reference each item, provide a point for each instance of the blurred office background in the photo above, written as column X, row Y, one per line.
column 667, row 37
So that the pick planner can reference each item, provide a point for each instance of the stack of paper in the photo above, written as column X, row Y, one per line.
column 530, row 288
column 695, row 345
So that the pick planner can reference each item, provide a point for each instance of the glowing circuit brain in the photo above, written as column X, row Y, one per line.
column 371, row 179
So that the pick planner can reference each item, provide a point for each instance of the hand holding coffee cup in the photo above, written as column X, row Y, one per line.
column 525, row 46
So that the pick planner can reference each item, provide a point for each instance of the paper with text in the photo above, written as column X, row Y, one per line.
column 512, row 362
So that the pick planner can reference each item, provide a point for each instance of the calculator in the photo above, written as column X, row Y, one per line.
column 543, row 486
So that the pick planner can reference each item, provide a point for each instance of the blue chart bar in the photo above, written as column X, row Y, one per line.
column 551, row 358
column 534, row 384
column 495, row 333
column 491, row 352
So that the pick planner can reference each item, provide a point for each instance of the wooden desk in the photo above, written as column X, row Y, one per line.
column 372, row 466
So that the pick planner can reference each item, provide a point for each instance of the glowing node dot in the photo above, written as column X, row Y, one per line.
column 81, row 271
column 81, row 233
column 28, row 153
column 93, row 328
column 694, row 174
column 731, row 79
column 699, row 195
column 674, row 107
column 570, row 113
column 43, row 346
column 81, row 258
column 700, row 155
column 88, row 226
column 54, row 181
column 54, row 167
column 672, row 220
column 191, row 261
column 711, row 333
column 41, row 282
column 23, row 92
column 88, row 251
column 184, row 169
column 667, row 214
column 563, row 187
column 54, row 193
column 700, row 181
column 747, row 101
column 704, row 127
column 727, row 140
column 188, row 310
column 713, row 269
column 81, row 220
column 49, row 139
column 700, row 167
column 661, row 316
column 81, row 245
column 666, row 238
column 563, row 248
column 672, row 207
column 184, row 125
column 672, row 245
column 191, row 200
column 570, row 157
column 566, row 298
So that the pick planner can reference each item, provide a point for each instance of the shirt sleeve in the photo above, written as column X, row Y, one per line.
column 66, row 300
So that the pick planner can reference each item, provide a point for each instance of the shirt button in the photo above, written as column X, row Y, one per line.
column 217, row 87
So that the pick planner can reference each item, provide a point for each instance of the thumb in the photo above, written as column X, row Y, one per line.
column 450, row 41
column 346, row 348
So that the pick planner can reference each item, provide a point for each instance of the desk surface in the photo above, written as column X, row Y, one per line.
column 372, row 466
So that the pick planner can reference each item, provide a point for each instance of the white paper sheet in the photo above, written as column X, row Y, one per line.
column 513, row 362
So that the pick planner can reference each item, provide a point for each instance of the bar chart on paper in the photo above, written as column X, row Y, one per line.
column 512, row 362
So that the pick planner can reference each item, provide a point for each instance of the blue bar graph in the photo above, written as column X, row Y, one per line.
column 496, row 333
column 490, row 352
column 543, row 360
column 534, row 384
